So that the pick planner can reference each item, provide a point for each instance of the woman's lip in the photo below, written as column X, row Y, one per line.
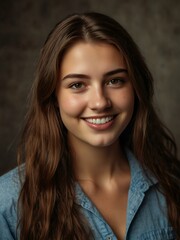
column 100, row 125
column 100, row 117
column 99, row 120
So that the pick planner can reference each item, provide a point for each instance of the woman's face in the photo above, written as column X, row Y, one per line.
column 94, row 93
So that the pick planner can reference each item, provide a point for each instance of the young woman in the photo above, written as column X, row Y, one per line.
column 99, row 164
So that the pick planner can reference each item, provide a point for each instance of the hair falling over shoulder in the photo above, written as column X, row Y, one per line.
column 47, row 206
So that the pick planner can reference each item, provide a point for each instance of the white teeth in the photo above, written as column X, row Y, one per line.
column 99, row 120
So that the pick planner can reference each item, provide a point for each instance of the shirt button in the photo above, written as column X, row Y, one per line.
column 131, row 212
column 109, row 238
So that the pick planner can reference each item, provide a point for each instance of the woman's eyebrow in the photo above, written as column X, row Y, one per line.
column 119, row 70
column 84, row 76
column 75, row 75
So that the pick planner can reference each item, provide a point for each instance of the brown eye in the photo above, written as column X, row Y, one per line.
column 77, row 85
column 116, row 81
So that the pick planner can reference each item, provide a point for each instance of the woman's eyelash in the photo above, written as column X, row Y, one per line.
column 116, row 81
column 77, row 85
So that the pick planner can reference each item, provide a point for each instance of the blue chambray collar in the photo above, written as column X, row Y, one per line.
column 83, row 200
column 140, row 181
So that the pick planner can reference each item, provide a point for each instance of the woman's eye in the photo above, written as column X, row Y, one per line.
column 116, row 81
column 77, row 85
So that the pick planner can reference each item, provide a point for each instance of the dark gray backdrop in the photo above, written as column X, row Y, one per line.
column 24, row 25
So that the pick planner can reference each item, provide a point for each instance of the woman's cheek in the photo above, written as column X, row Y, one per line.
column 72, row 106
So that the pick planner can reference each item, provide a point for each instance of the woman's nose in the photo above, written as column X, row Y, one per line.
column 99, row 100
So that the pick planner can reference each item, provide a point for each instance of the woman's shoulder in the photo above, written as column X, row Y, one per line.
column 10, row 188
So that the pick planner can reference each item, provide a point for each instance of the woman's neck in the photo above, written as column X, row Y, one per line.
column 98, row 164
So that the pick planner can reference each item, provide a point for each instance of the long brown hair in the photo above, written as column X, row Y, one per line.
column 47, row 204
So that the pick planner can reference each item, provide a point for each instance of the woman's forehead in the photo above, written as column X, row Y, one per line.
column 93, row 56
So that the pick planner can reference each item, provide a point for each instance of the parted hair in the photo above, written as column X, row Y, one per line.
column 47, row 202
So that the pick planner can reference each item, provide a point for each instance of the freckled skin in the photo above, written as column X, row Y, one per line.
column 94, row 95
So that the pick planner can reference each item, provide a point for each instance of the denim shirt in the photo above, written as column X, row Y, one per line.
column 146, row 211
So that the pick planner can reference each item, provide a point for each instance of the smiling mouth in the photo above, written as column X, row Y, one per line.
column 100, row 121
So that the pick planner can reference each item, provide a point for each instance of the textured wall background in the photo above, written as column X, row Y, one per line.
column 24, row 25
